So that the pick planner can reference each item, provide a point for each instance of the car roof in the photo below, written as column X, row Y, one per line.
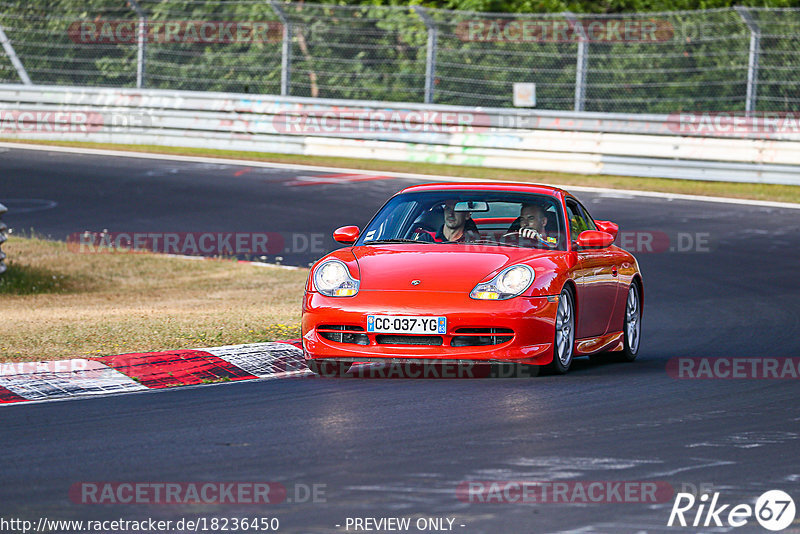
column 518, row 187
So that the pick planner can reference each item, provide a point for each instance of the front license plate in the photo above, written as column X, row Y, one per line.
column 404, row 324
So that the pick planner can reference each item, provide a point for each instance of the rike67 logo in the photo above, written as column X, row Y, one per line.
column 774, row 510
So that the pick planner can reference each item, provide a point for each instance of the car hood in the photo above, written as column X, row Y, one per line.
column 445, row 267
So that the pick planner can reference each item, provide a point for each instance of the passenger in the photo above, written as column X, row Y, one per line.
column 458, row 226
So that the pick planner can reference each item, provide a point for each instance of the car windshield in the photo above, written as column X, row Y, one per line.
column 494, row 218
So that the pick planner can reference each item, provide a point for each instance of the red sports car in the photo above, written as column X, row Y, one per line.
column 484, row 273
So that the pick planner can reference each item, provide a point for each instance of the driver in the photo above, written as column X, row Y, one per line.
column 531, row 224
column 458, row 226
column 532, row 221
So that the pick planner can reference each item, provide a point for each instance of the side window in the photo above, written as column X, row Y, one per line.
column 578, row 219
column 586, row 217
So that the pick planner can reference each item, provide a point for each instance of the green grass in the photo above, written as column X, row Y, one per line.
column 21, row 279
column 778, row 193
column 61, row 304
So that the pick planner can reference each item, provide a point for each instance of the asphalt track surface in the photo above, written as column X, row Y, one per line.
column 400, row 447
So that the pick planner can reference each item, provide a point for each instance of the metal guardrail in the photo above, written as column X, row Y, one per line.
column 3, row 238
column 590, row 143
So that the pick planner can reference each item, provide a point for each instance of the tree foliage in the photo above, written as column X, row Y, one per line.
column 377, row 50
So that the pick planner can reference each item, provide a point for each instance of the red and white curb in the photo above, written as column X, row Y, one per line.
column 124, row 373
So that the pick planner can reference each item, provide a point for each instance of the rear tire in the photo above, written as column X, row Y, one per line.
column 329, row 368
column 564, row 342
column 632, row 328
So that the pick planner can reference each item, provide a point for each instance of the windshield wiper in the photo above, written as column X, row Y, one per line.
column 491, row 242
column 396, row 240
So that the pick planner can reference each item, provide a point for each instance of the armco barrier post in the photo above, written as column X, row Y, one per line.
column 12, row 56
column 141, row 42
column 582, row 63
column 3, row 238
column 752, row 60
column 430, row 54
column 286, row 48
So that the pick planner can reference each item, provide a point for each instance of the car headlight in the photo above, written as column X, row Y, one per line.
column 332, row 279
column 509, row 283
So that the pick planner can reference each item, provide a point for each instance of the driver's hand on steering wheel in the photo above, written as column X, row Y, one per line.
column 530, row 233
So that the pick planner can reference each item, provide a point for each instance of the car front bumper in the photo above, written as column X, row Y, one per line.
column 530, row 320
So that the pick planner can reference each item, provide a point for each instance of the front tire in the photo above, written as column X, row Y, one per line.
column 632, row 328
column 564, row 343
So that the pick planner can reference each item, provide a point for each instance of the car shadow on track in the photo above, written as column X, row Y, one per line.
column 602, row 364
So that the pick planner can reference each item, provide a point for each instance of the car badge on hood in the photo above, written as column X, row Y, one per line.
column 416, row 282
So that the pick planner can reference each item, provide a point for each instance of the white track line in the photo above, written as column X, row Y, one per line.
column 413, row 176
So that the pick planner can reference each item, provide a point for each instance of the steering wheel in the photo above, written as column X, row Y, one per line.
column 536, row 239
column 420, row 232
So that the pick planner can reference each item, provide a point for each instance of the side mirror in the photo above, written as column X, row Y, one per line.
column 594, row 239
column 346, row 235
column 608, row 227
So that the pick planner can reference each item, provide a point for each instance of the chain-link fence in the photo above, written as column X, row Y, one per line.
column 742, row 59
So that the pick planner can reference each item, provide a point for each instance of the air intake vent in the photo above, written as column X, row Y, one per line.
column 343, row 333
column 484, row 331
column 341, row 327
column 392, row 339
column 475, row 337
